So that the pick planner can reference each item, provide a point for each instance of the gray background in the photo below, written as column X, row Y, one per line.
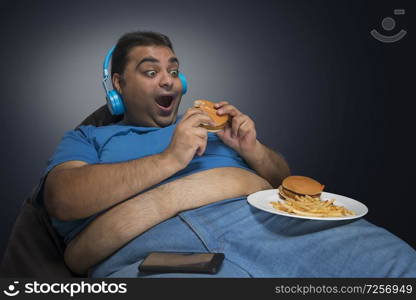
column 334, row 101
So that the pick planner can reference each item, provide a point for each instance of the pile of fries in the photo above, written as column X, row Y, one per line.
column 312, row 207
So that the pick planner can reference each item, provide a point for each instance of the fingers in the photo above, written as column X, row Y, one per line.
column 202, row 143
column 201, row 135
column 200, row 132
column 225, row 108
column 220, row 104
column 241, row 125
column 236, row 123
column 190, row 112
column 198, row 137
column 195, row 117
column 246, row 127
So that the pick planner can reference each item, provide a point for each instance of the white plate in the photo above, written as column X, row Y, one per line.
column 262, row 199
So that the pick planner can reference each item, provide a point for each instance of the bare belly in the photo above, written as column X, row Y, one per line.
column 214, row 185
column 120, row 224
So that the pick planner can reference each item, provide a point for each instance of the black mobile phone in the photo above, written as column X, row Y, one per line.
column 180, row 262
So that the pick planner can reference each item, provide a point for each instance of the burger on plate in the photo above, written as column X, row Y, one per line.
column 300, row 186
column 208, row 107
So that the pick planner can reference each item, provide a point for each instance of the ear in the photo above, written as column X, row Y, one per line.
column 117, row 81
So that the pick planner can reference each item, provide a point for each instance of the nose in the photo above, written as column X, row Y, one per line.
column 166, row 81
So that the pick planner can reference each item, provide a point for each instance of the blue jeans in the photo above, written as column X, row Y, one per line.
column 260, row 244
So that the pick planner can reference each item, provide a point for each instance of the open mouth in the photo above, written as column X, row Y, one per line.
column 164, row 101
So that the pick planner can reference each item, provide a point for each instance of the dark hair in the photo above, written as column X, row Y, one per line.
column 131, row 40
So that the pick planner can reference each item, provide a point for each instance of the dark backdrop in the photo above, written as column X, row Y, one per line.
column 321, row 89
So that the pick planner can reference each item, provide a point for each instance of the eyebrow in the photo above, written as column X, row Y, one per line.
column 154, row 60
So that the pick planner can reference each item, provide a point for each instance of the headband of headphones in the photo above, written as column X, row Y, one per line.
column 114, row 100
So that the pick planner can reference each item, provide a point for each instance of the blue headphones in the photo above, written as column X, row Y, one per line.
column 114, row 99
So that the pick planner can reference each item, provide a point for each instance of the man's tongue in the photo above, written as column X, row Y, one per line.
column 164, row 101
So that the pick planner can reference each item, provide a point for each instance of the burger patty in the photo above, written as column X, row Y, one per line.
column 285, row 193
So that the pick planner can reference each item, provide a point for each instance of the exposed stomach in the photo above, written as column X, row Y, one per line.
column 214, row 185
column 129, row 219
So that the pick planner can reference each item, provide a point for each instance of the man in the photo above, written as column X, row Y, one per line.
column 157, row 183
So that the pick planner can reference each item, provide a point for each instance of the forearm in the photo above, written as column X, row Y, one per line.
column 80, row 192
column 113, row 229
column 268, row 164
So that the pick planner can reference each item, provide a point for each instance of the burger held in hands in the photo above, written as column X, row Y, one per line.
column 209, row 107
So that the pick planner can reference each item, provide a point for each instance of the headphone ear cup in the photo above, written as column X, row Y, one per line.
column 115, row 103
column 184, row 83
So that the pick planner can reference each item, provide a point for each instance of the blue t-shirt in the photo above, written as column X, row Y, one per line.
column 120, row 143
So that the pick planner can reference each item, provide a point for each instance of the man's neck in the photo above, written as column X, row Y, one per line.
column 126, row 121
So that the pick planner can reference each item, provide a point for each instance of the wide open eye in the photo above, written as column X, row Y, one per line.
column 150, row 73
column 174, row 73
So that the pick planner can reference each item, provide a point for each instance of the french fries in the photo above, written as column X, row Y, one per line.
column 312, row 207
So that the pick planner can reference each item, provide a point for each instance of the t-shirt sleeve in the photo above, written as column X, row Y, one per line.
column 76, row 144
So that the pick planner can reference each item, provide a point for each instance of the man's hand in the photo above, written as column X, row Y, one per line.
column 189, row 138
column 240, row 134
